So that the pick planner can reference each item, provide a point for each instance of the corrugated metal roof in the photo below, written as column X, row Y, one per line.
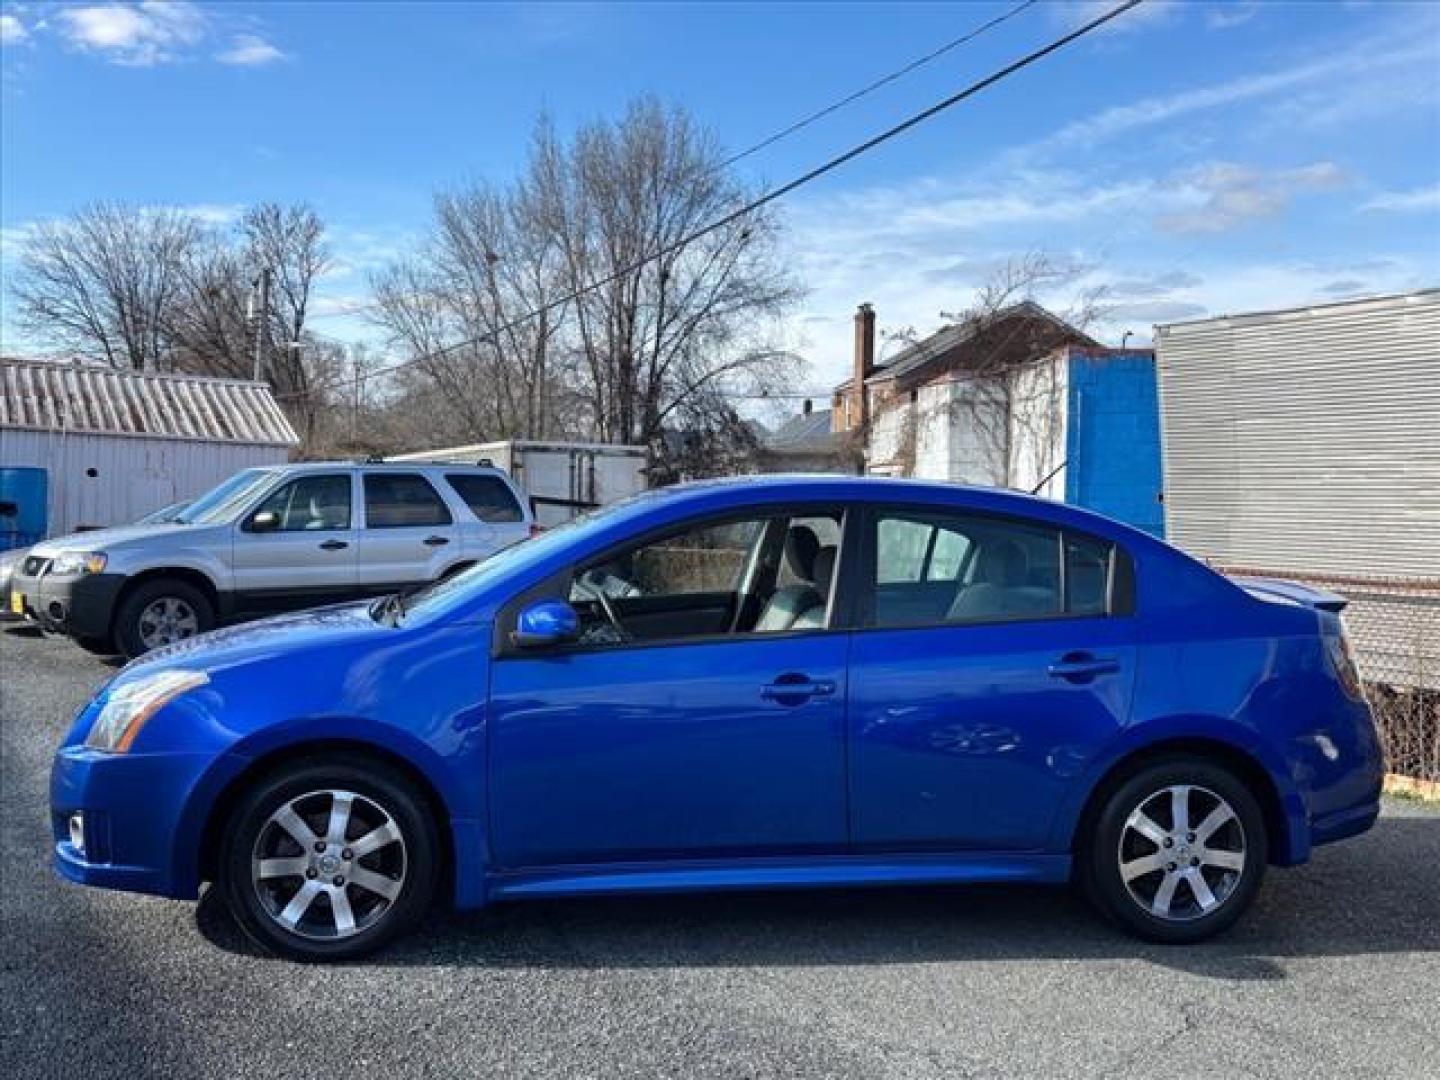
column 48, row 396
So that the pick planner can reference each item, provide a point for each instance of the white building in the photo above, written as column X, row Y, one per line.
column 116, row 445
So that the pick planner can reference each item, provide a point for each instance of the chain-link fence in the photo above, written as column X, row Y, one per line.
column 1394, row 626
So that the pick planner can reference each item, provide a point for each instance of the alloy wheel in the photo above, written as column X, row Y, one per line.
column 328, row 864
column 1182, row 853
column 168, row 619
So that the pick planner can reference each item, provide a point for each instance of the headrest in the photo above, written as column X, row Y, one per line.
column 801, row 547
column 824, row 568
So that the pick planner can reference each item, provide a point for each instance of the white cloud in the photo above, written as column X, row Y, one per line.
column 139, row 35
column 12, row 30
column 1230, row 14
column 250, row 50
column 1223, row 196
column 1400, row 202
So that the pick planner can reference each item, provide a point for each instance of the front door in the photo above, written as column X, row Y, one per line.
column 998, row 656
column 674, row 729
column 307, row 556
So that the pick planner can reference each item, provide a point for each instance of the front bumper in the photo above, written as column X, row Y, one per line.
column 79, row 605
column 134, row 819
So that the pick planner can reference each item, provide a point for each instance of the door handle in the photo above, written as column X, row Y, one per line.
column 436, row 541
column 794, row 689
column 334, row 545
column 1082, row 667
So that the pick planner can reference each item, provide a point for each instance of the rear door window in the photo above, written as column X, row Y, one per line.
column 402, row 500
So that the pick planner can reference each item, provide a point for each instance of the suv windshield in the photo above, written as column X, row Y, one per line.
column 223, row 501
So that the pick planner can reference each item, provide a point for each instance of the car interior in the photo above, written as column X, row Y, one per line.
column 774, row 575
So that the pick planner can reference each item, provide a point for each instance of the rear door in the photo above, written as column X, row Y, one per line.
column 408, row 535
column 982, row 680
column 309, row 557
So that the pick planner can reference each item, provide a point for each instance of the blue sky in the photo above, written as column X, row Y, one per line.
column 1195, row 159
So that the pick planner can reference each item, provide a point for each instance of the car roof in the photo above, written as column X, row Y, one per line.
column 398, row 466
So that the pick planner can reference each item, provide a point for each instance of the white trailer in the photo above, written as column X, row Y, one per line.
column 1306, row 444
column 562, row 478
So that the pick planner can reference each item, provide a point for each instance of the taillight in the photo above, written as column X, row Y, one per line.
column 1342, row 659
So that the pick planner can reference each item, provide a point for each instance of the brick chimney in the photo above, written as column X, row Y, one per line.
column 864, row 362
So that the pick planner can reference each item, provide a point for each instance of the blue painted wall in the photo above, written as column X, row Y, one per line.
column 23, row 499
column 1112, row 440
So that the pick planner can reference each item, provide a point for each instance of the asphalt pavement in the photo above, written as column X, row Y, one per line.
column 1335, row 972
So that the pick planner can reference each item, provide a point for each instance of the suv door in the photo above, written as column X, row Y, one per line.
column 409, row 535
column 679, row 734
column 994, row 656
column 307, row 557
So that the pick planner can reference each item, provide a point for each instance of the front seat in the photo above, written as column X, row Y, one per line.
column 787, row 605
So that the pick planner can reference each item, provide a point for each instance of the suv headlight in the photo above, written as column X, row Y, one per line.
column 128, row 708
column 78, row 562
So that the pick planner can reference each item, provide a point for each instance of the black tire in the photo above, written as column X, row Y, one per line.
column 1101, row 854
column 127, row 618
column 379, row 787
column 99, row 646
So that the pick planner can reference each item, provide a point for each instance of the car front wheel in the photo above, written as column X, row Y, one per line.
column 329, row 860
column 161, row 612
column 1178, row 851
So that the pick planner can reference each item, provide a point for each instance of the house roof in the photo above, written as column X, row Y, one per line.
column 43, row 395
column 805, row 433
column 942, row 347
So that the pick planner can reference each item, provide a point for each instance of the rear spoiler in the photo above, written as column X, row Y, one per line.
column 1278, row 590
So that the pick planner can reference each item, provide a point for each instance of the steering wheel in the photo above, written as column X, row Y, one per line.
column 611, row 614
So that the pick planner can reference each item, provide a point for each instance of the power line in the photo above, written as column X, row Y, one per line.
column 767, row 198
column 804, row 122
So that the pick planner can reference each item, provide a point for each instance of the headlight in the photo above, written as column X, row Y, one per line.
column 128, row 708
column 78, row 562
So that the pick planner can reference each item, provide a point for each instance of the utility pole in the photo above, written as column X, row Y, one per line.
column 262, row 322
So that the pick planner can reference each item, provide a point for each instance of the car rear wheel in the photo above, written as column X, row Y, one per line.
column 161, row 612
column 329, row 860
column 1178, row 851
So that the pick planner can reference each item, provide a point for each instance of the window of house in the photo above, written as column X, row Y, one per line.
column 400, row 500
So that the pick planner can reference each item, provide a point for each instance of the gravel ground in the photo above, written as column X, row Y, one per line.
column 1335, row 972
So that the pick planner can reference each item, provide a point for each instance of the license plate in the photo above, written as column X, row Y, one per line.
column 17, row 603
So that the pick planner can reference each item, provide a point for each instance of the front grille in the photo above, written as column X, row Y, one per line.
column 35, row 564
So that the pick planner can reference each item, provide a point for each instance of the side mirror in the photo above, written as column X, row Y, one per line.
column 549, row 622
column 264, row 521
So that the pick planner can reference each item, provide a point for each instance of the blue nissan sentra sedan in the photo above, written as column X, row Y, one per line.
column 758, row 682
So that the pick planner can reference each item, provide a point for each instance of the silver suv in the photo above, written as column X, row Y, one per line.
column 267, row 540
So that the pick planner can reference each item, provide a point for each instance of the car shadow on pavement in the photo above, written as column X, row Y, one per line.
column 1373, row 895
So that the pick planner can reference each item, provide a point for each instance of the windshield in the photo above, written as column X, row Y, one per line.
column 223, row 501
column 446, row 594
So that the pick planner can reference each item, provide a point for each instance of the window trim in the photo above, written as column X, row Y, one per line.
column 1117, row 605
column 423, row 478
column 840, row 602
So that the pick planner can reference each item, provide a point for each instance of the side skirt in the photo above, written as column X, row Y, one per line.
column 819, row 872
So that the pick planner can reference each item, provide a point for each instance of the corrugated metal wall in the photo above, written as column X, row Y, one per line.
column 1308, row 440
column 133, row 474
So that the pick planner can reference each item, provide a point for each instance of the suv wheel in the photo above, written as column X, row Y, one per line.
column 1178, row 851
column 329, row 860
column 161, row 612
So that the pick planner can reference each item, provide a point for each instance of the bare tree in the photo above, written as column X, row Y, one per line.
column 102, row 285
column 669, row 322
